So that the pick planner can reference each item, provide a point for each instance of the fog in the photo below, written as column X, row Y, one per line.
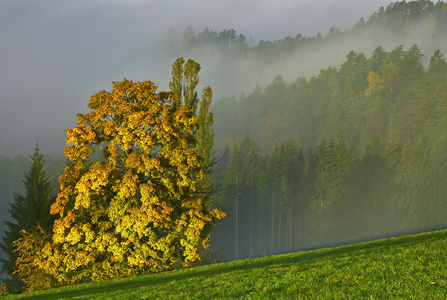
column 55, row 55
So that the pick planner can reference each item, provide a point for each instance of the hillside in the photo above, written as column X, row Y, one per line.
column 353, row 154
column 409, row 267
column 347, row 144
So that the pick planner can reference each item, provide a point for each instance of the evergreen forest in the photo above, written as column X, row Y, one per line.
column 356, row 152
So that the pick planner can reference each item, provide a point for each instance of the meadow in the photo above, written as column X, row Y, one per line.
column 407, row 267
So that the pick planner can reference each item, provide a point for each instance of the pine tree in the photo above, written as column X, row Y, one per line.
column 273, row 174
column 334, row 163
column 253, row 166
column 28, row 211
column 290, row 171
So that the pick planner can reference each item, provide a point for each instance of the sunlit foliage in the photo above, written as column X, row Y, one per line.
column 137, row 208
column 4, row 290
column 28, row 268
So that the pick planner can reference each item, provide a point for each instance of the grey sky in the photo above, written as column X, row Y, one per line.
column 55, row 54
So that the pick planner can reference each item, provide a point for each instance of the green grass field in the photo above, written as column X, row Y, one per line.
column 408, row 267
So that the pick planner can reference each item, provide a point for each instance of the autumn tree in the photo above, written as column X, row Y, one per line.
column 28, row 211
column 185, row 79
column 137, row 209
column 375, row 83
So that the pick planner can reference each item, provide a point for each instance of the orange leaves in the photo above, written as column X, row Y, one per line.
column 128, row 186
column 217, row 214
column 375, row 83
column 136, row 208
column 4, row 290
column 109, row 128
column 133, row 161
column 31, row 260
column 378, row 83
column 80, row 135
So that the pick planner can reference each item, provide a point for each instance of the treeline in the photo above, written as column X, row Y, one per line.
column 390, row 95
column 360, row 154
column 338, row 194
column 401, row 19
column 235, row 63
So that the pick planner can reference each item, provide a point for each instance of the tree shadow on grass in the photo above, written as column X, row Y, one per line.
column 156, row 281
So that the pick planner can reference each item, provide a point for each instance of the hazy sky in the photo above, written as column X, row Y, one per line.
column 55, row 54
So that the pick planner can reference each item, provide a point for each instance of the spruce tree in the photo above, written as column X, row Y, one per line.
column 27, row 212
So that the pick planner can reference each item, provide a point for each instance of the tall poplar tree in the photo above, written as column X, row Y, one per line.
column 185, row 78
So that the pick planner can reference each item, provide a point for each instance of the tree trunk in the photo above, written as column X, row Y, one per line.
column 279, row 224
column 290, row 226
column 273, row 218
column 251, row 229
column 237, row 228
column 261, row 227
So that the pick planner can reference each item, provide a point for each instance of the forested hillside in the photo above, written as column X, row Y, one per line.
column 320, row 140
column 389, row 94
column 234, row 63
column 353, row 153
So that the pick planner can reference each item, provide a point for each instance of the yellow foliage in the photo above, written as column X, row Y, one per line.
column 378, row 83
column 137, row 209
column 375, row 83
column 30, row 266
column 4, row 290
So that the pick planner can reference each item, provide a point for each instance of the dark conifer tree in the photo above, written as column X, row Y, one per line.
column 28, row 211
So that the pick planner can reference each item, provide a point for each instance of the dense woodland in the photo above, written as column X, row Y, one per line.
column 355, row 152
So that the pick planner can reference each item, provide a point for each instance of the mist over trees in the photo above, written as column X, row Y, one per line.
column 359, row 155
column 389, row 94
column 321, row 140
column 234, row 63
column 12, row 174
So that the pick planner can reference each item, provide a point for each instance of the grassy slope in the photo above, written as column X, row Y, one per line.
column 413, row 266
